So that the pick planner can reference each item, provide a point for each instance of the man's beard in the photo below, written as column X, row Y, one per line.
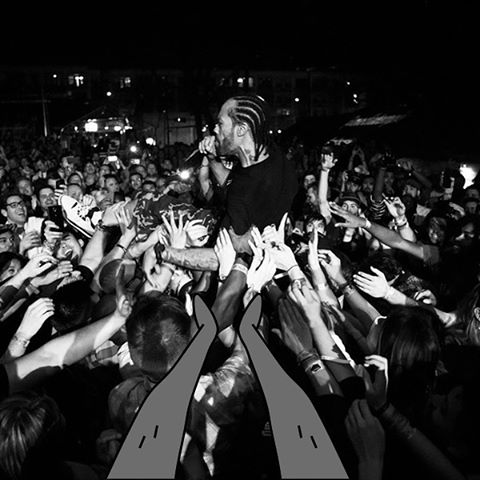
column 226, row 146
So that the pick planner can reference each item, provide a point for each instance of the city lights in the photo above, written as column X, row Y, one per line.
column 54, row 75
column 296, row 99
column 133, row 148
column 279, row 130
column 91, row 127
column 109, row 94
column 150, row 141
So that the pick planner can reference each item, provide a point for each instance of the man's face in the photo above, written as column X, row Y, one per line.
column 25, row 187
column 46, row 198
column 152, row 170
column 148, row 187
column 436, row 232
column 141, row 171
column 75, row 192
column 161, row 183
column 471, row 207
column 467, row 237
column 224, row 131
column 411, row 190
column 367, row 185
column 352, row 187
column 136, row 181
column 13, row 268
column 75, row 179
column 312, row 198
column 308, row 180
column 351, row 207
column 7, row 242
column 16, row 210
column 389, row 178
column 69, row 249
column 89, row 168
column 473, row 193
column 111, row 185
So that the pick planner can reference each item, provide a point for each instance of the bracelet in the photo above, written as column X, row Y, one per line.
column 122, row 247
column 241, row 268
column 343, row 361
column 22, row 341
column 305, row 357
column 293, row 266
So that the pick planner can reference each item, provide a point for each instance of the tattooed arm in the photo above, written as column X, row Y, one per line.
column 192, row 258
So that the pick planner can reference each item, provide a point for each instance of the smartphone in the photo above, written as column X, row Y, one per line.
column 55, row 214
column 135, row 161
column 112, row 158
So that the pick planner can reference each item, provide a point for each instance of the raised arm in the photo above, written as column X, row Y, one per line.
column 386, row 236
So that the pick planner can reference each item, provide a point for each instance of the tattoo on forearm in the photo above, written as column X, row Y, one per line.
column 194, row 259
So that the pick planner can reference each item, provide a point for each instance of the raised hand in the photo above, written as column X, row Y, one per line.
column 197, row 234
column 367, row 436
column 62, row 270
column 426, row 296
column 376, row 391
column 396, row 208
column 35, row 316
column 374, row 285
column 294, row 332
column 29, row 240
column 52, row 232
column 225, row 252
column 273, row 236
column 304, row 296
column 177, row 234
column 125, row 222
column 207, row 146
column 350, row 221
column 37, row 265
column 109, row 217
column 328, row 161
column 260, row 272
column 331, row 264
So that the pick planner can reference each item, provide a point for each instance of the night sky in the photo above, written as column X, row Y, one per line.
column 434, row 45
column 371, row 35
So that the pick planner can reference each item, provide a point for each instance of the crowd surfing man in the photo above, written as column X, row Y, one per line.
column 371, row 304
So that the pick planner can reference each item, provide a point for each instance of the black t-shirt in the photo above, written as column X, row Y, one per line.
column 259, row 195
column 4, row 384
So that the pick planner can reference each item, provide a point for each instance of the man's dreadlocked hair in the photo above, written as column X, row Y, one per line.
column 254, row 112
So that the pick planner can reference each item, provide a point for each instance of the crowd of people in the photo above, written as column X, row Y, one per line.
column 368, row 273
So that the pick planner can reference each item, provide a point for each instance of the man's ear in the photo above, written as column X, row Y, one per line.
column 241, row 129
column 4, row 212
column 476, row 312
column 124, row 305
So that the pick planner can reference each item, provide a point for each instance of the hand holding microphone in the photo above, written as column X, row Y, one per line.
column 207, row 147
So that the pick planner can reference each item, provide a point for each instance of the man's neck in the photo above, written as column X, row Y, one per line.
column 247, row 156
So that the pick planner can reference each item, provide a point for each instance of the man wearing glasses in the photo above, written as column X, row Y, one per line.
column 14, row 209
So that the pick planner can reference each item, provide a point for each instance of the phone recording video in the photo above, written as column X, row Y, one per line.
column 55, row 214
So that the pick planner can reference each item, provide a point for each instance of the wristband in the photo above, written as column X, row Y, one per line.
column 241, row 268
column 22, row 341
